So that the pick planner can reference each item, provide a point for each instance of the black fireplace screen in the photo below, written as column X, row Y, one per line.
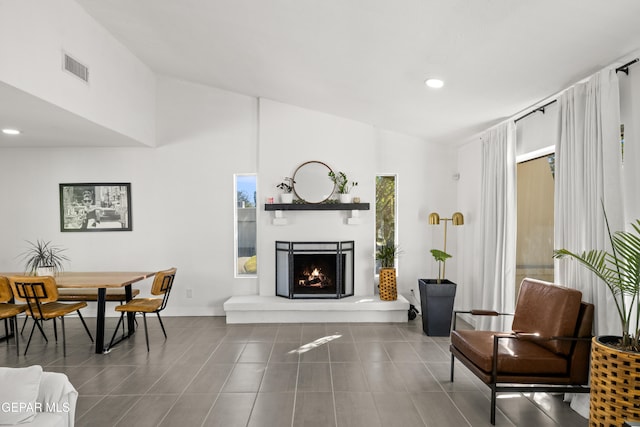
column 314, row 269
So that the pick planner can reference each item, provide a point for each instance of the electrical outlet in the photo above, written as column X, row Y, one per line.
column 189, row 293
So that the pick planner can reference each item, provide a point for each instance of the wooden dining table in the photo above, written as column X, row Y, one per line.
column 101, row 280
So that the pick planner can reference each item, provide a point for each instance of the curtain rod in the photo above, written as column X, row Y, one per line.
column 624, row 68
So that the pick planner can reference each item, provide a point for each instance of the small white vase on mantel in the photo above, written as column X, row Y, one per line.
column 286, row 198
column 344, row 198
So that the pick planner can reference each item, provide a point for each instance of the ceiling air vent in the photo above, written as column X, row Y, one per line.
column 76, row 68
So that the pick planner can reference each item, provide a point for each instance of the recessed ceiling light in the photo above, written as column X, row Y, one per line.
column 11, row 131
column 434, row 83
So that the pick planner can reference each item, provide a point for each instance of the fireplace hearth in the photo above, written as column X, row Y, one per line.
column 314, row 269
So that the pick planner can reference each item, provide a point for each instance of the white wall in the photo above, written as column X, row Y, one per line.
column 182, row 196
column 182, row 193
column 425, row 184
column 121, row 90
column 290, row 136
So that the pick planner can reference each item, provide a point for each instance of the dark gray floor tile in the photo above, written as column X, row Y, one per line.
column 314, row 409
column 256, row 352
column 372, row 352
column 211, row 378
column 397, row 409
column 230, row 410
column 107, row 411
column 416, row 377
column 356, row 409
column 383, row 376
column 343, row 352
column 285, row 352
column 401, row 352
column 272, row 409
column 280, row 377
column 349, row 377
column 437, row 409
column 245, row 378
column 149, row 410
column 189, row 410
column 314, row 377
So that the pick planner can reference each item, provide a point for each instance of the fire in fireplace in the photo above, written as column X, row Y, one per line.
column 314, row 269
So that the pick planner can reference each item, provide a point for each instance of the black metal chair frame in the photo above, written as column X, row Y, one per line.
column 33, row 293
column 165, row 288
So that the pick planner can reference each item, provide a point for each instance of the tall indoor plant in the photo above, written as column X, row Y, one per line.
column 615, row 360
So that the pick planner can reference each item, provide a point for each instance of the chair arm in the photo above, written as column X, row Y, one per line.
column 476, row 312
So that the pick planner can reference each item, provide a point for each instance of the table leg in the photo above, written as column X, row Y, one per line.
column 102, row 292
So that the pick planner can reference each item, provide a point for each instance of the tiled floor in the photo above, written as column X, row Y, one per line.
column 211, row 374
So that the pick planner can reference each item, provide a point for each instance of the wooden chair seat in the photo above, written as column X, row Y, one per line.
column 90, row 294
column 146, row 305
column 8, row 310
column 52, row 310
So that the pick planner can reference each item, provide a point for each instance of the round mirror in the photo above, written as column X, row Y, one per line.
column 312, row 183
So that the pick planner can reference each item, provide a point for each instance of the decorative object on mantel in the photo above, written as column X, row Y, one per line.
column 287, row 187
column 387, row 255
column 43, row 258
column 342, row 185
column 438, row 295
column 311, row 185
column 615, row 360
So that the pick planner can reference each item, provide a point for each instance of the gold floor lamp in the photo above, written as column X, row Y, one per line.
column 456, row 219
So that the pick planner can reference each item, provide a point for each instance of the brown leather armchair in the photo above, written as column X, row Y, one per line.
column 548, row 350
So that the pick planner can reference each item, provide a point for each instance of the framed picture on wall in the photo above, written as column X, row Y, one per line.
column 95, row 207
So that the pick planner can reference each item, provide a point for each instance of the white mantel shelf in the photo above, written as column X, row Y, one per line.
column 354, row 309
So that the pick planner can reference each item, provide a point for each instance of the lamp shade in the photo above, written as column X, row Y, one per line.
column 457, row 219
column 434, row 218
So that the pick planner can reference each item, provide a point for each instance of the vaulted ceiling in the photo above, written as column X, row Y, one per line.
column 368, row 59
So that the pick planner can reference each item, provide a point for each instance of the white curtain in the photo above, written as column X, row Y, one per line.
column 588, row 173
column 498, row 225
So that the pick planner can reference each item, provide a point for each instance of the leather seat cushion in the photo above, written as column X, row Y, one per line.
column 514, row 356
column 147, row 305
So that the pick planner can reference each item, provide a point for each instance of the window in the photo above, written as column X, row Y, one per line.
column 245, row 225
column 534, row 248
column 385, row 212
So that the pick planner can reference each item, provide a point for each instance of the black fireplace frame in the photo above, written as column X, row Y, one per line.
column 285, row 280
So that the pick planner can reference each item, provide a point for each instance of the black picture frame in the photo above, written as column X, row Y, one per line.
column 91, row 207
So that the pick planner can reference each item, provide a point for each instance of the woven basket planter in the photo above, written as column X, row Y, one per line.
column 615, row 385
column 388, row 286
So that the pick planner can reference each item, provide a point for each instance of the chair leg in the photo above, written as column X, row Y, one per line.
column 40, row 324
column 24, row 324
column 160, row 319
column 146, row 334
column 85, row 325
column 116, row 330
column 15, row 332
column 493, row 405
column 33, row 328
column 64, row 338
column 55, row 329
column 452, row 363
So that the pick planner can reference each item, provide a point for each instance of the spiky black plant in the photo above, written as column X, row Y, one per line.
column 43, row 254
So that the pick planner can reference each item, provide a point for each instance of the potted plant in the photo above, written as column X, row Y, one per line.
column 614, row 358
column 436, row 299
column 43, row 258
column 287, row 187
column 387, row 254
column 342, row 185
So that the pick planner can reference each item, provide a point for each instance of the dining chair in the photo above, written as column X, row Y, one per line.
column 162, row 284
column 41, row 295
column 9, row 311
